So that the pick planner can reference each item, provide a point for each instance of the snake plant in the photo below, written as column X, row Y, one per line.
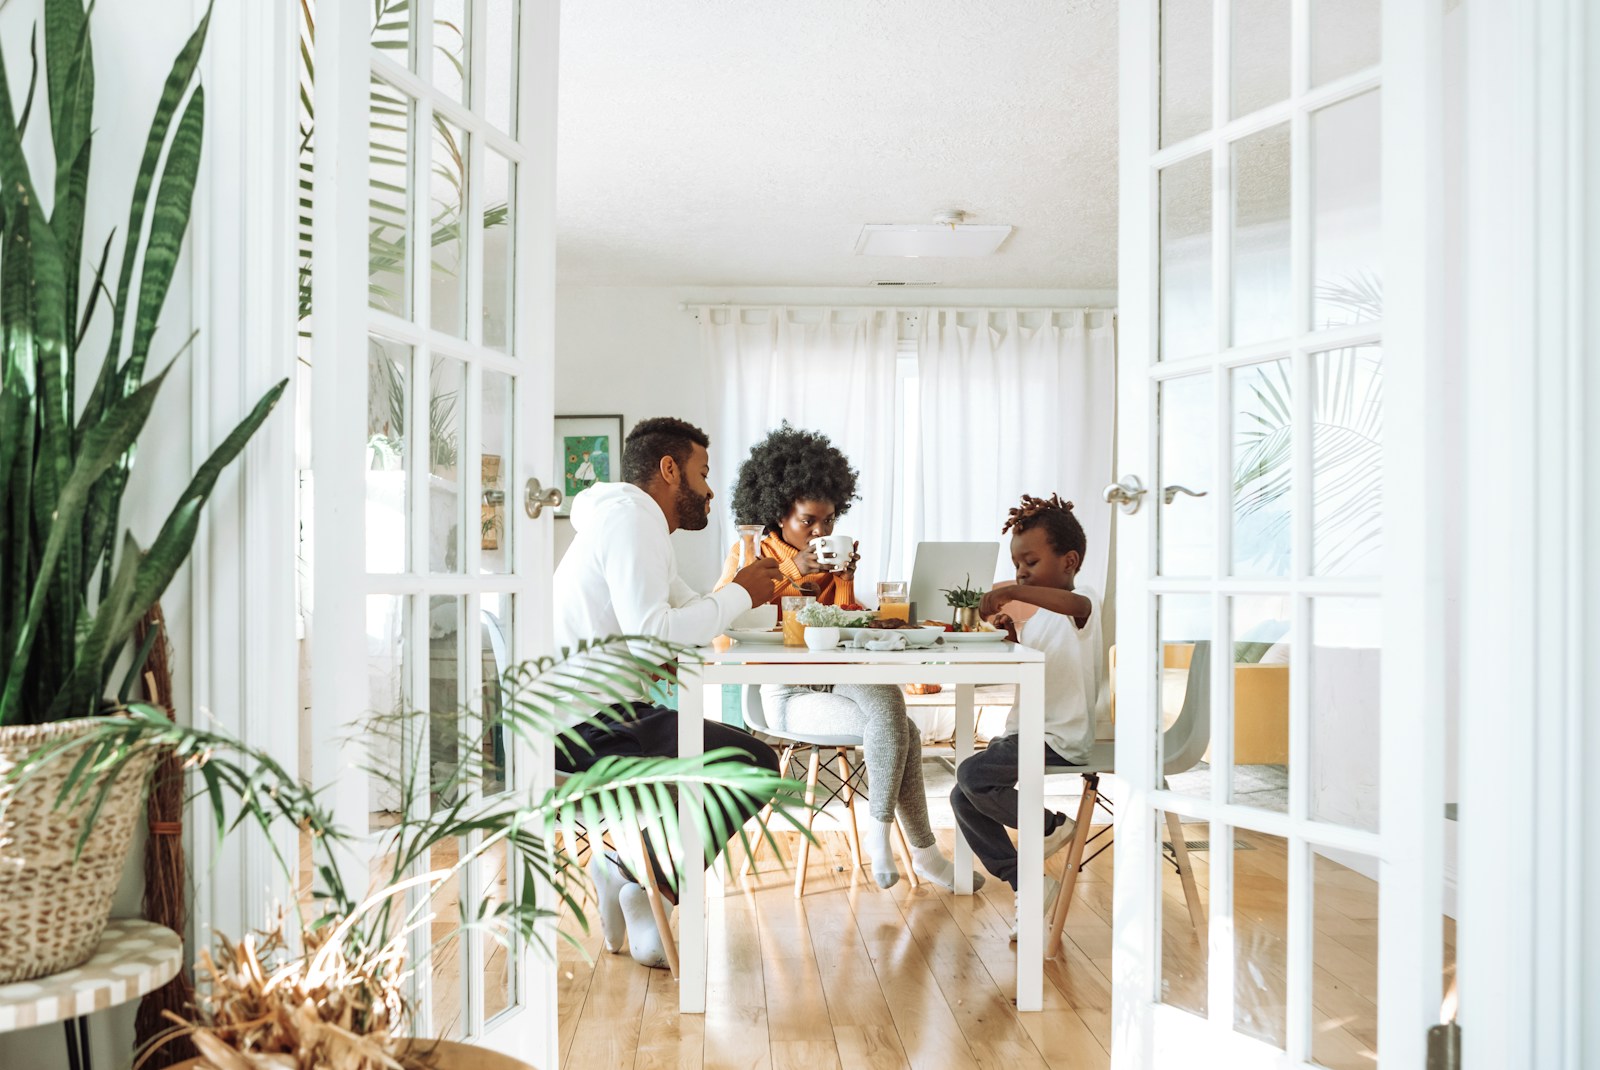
column 72, row 585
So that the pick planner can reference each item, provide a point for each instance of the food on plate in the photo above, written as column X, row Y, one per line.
column 890, row 624
column 816, row 615
column 851, row 607
column 946, row 625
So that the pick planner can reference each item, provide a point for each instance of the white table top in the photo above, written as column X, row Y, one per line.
column 945, row 653
column 134, row 957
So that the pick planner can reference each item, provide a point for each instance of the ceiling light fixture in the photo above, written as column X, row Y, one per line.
column 948, row 235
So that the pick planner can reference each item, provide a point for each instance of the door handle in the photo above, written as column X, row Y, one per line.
column 1171, row 492
column 1127, row 494
column 536, row 499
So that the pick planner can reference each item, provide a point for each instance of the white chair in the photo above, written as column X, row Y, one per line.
column 1182, row 744
column 802, row 744
column 638, row 861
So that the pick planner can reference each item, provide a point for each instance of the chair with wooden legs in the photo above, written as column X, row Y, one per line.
column 638, row 861
column 811, row 747
column 1182, row 744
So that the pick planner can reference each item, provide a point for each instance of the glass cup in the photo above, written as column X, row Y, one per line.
column 749, row 544
column 794, row 633
column 894, row 600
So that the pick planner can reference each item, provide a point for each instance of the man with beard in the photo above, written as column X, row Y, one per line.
column 620, row 577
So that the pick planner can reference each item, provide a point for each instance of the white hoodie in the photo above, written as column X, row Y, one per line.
column 620, row 576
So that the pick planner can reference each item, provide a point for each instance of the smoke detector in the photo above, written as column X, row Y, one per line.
column 948, row 235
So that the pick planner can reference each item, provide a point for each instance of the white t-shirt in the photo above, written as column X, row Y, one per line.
column 1074, row 678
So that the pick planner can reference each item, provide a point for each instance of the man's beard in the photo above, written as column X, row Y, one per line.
column 693, row 509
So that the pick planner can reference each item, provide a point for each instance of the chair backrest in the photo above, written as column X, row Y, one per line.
column 755, row 715
column 1186, row 740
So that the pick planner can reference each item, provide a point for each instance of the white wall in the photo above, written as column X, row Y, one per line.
column 134, row 45
column 631, row 350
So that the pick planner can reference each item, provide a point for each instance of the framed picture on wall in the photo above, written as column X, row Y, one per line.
column 588, row 451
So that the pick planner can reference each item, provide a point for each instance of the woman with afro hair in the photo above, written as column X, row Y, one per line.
column 796, row 484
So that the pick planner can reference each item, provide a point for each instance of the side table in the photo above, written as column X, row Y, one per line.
column 134, row 957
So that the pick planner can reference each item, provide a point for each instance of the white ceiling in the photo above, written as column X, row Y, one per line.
column 745, row 142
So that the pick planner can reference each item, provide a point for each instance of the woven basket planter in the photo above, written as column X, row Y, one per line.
column 54, row 902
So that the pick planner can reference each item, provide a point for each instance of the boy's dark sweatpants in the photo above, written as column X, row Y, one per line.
column 985, row 804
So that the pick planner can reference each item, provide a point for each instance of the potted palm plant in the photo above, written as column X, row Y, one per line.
column 329, row 987
column 73, row 585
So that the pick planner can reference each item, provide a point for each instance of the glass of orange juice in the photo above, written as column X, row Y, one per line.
column 894, row 600
column 794, row 633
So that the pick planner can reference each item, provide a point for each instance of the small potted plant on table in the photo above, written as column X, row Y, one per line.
column 964, row 602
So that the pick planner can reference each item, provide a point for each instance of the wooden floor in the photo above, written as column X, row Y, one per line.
column 853, row 976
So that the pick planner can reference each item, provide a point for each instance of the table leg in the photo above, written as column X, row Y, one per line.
column 1030, row 839
column 77, row 1043
column 717, row 881
column 962, row 855
column 692, row 889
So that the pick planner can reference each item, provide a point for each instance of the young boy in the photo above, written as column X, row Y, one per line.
column 1047, row 548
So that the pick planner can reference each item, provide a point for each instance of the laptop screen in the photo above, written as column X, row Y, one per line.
column 943, row 565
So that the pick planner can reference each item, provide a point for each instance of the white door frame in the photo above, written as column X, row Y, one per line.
column 1411, row 753
column 1528, row 942
column 243, row 647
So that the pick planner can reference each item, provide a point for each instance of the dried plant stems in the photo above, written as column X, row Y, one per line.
column 165, row 872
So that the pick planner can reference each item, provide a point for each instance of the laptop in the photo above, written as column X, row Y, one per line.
column 943, row 565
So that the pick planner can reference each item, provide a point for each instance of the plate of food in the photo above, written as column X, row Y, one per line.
column 985, row 634
column 770, row 636
column 917, row 635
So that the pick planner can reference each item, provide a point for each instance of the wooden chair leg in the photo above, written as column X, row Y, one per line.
column 658, row 909
column 1191, row 893
column 763, row 817
column 1069, row 879
column 849, row 798
column 905, row 849
column 811, row 816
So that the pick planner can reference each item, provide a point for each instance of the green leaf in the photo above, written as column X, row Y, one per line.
column 168, row 221
column 102, row 445
column 33, row 82
column 172, row 93
column 66, row 27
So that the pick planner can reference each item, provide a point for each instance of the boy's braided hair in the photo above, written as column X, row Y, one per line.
column 1055, row 517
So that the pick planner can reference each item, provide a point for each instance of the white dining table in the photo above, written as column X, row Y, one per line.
column 950, row 662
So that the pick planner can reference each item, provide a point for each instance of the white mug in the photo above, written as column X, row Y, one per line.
column 833, row 551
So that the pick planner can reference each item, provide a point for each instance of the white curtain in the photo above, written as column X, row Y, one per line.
column 822, row 369
column 1013, row 402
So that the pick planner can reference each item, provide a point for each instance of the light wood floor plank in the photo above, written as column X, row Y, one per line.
column 668, row 1040
column 857, row 976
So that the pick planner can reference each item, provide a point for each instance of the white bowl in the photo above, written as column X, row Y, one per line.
column 822, row 638
column 927, row 635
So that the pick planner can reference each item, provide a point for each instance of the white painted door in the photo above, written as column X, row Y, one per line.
column 1264, row 672
column 431, row 383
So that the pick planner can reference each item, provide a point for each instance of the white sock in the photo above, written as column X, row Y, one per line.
column 608, row 884
column 930, row 862
column 880, row 844
column 644, row 939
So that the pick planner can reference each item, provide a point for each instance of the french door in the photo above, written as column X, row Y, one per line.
column 432, row 290
column 1271, row 644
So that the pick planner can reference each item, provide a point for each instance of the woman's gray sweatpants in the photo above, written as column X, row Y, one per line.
column 893, row 746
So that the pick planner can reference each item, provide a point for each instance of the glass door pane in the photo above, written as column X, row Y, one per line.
column 1187, row 316
column 1257, row 295
column 1185, row 69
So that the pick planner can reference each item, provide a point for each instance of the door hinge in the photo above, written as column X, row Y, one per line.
column 1444, row 1046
